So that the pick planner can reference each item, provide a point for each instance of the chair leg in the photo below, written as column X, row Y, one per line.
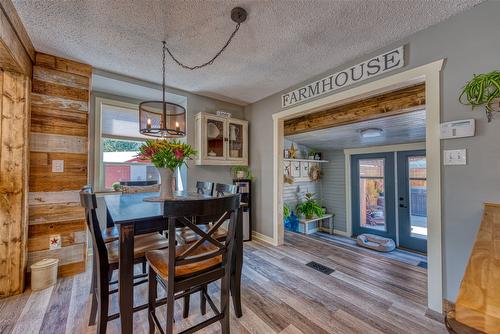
column 153, row 290
column 185, row 311
column 203, row 300
column 93, row 292
column 170, row 312
column 225, row 306
column 103, row 290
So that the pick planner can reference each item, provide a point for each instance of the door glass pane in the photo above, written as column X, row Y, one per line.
column 235, row 140
column 215, row 138
column 418, row 196
column 371, row 194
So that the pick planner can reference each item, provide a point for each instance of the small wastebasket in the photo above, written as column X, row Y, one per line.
column 43, row 274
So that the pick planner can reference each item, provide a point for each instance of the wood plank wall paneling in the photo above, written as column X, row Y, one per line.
column 388, row 104
column 59, row 131
column 14, row 130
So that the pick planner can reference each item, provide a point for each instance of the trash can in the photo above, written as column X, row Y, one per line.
column 43, row 274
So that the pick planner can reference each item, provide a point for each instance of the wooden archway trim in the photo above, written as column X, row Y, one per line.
column 388, row 104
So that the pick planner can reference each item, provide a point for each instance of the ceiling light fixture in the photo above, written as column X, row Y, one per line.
column 168, row 120
column 371, row 133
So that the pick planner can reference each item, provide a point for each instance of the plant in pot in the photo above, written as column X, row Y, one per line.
column 310, row 208
column 311, row 154
column 483, row 89
column 242, row 172
column 166, row 156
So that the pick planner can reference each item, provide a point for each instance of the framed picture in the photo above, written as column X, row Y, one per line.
column 286, row 154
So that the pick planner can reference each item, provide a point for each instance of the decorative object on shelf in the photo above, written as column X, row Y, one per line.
column 161, row 118
column 223, row 113
column 317, row 156
column 293, row 152
column 315, row 172
column 483, row 89
column 286, row 154
column 242, row 172
column 310, row 208
column 166, row 156
column 212, row 131
column 311, row 154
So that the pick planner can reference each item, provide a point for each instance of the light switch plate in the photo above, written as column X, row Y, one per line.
column 455, row 157
column 57, row 166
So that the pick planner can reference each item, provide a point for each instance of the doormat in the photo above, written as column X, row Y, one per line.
column 319, row 267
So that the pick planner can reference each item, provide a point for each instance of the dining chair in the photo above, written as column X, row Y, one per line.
column 222, row 189
column 105, row 261
column 185, row 269
column 204, row 187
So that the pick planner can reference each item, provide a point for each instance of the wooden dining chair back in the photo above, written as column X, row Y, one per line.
column 204, row 188
column 222, row 189
column 186, row 269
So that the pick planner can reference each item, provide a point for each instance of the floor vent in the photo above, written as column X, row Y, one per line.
column 319, row 267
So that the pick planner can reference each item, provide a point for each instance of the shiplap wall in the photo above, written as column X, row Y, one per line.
column 333, row 186
column 296, row 191
column 59, row 131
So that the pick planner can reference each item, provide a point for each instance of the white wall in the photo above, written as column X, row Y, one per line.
column 333, row 186
column 468, row 42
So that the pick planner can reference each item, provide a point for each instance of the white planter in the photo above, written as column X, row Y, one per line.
column 166, row 185
column 240, row 174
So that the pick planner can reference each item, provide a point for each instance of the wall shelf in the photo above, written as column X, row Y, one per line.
column 305, row 160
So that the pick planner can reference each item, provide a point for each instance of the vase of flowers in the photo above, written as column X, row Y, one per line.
column 166, row 156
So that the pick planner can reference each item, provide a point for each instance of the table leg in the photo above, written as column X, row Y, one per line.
column 126, row 277
column 238, row 266
column 330, row 224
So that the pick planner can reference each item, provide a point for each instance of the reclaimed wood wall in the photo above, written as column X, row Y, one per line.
column 14, row 131
column 59, row 131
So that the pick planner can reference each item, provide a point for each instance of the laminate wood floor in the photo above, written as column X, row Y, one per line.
column 365, row 294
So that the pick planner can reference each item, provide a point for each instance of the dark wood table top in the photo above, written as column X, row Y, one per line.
column 128, row 208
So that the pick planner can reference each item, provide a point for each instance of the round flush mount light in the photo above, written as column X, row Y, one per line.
column 371, row 133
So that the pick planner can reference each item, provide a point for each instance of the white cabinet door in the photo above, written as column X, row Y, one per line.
column 236, row 137
column 215, row 138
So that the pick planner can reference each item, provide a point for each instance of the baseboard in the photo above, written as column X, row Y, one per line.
column 262, row 237
column 338, row 232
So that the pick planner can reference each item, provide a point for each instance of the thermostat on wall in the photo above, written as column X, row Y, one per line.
column 458, row 129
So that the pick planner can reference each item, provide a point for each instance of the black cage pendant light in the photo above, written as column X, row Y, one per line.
column 161, row 118
column 168, row 120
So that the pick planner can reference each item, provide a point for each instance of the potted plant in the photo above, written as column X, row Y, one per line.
column 241, row 172
column 311, row 154
column 483, row 89
column 166, row 156
column 116, row 186
column 310, row 207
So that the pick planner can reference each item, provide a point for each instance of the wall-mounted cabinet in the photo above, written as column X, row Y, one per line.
column 221, row 140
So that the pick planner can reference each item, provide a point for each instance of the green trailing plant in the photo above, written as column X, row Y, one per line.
column 286, row 211
column 244, row 169
column 483, row 89
column 310, row 207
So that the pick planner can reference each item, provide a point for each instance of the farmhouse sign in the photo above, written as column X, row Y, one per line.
column 383, row 63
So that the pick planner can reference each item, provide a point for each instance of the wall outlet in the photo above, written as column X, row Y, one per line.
column 55, row 241
column 57, row 166
column 455, row 157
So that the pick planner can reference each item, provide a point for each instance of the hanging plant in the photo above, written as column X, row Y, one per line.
column 483, row 89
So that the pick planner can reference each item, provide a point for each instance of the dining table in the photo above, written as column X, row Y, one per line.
column 132, row 216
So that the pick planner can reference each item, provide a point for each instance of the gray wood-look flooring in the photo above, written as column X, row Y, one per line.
column 365, row 294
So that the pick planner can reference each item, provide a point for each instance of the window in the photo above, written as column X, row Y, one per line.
column 117, row 143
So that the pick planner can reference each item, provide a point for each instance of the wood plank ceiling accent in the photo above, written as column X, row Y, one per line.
column 388, row 104
column 59, row 131
column 16, row 55
column 478, row 301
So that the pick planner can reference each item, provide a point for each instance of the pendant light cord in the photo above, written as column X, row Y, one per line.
column 210, row 62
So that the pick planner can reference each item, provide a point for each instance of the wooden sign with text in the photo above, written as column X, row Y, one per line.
column 383, row 63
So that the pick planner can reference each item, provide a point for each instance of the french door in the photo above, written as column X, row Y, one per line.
column 389, row 197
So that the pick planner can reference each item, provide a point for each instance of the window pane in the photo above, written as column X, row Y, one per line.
column 120, row 122
column 371, row 194
column 418, row 196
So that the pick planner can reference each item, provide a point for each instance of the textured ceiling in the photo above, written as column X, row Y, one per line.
column 406, row 128
column 282, row 43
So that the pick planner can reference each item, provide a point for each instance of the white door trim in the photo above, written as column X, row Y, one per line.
column 428, row 74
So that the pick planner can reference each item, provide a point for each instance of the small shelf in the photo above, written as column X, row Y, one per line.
column 305, row 160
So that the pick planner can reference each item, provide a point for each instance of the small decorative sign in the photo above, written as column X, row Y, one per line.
column 223, row 113
column 370, row 68
column 55, row 241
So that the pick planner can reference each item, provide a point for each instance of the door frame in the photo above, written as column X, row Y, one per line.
column 389, row 195
column 428, row 74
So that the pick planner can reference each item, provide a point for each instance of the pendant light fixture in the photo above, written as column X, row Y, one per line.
column 168, row 120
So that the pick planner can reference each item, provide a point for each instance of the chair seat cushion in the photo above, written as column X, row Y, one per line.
column 142, row 244
column 189, row 236
column 158, row 261
column 110, row 234
column 375, row 242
